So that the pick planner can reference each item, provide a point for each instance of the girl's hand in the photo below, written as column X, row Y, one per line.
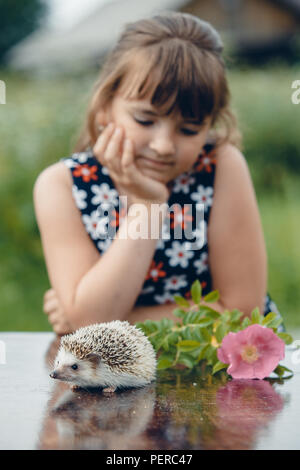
column 56, row 316
column 117, row 154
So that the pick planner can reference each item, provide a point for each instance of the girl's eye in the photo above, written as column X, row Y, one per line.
column 189, row 132
column 74, row 366
column 143, row 123
column 148, row 123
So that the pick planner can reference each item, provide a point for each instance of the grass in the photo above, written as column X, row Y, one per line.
column 37, row 127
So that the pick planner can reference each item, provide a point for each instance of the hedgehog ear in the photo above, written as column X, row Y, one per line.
column 94, row 358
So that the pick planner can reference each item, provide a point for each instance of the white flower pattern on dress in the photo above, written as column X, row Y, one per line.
column 82, row 157
column 175, row 282
column 203, row 196
column 70, row 163
column 91, row 224
column 183, row 183
column 104, row 195
column 167, row 297
column 79, row 196
column 201, row 264
column 103, row 245
column 105, row 171
column 178, row 255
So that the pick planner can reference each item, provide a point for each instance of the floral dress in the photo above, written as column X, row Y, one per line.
column 182, row 252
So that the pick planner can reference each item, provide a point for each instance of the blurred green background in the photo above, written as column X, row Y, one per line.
column 39, row 124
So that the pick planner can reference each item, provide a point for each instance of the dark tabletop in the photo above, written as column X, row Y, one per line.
column 181, row 410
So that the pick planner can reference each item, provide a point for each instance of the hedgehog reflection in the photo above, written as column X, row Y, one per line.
column 92, row 420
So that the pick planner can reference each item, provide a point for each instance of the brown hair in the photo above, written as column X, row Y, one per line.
column 174, row 56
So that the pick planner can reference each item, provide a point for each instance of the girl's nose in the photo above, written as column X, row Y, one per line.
column 162, row 144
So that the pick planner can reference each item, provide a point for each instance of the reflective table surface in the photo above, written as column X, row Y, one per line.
column 181, row 410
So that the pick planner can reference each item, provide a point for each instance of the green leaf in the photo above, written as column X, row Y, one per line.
column 210, row 355
column 220, row 332
column 285, row 337
column 196, row 292
column 181, row 301
column 275, row 323
column 280, row 370
column 173, row 337
column 167, row 323
column 164, row 364
column 205, row 322
column 188, row 345
column 269, row 318
column 246, row 322
column 212, row 296
column 197, row 334
column 203, row 352
column 186, row 360
column 255, row 316
column 165, row 344
column 206, row 335
column 235, row 315
column 178, row 312
column 219, row 366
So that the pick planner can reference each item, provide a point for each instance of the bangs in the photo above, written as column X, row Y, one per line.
column 173, row 79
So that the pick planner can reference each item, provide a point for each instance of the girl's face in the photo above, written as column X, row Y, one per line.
column 165, row 146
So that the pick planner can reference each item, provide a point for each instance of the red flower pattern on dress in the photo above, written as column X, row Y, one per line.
column 206, row 160
column 118, row 216
column 155, row 272
column 179, row 216
column 86, row 172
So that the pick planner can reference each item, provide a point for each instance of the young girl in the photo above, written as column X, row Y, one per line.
column 159, row 131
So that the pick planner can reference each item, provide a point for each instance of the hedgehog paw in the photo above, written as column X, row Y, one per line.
column 109, row 390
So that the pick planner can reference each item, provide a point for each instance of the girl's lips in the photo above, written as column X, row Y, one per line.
column 156, row 163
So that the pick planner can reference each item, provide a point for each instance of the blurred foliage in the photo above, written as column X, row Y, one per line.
column 18, row 20
column 38, row 126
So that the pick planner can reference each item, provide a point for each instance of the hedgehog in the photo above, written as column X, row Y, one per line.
column 110, row 356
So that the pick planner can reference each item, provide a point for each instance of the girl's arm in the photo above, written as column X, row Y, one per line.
column 90, row 287
column 237, row 253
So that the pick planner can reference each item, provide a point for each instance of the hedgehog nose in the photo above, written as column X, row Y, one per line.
column 53, row 375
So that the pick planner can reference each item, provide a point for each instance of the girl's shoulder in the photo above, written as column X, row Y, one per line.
column 230, row 162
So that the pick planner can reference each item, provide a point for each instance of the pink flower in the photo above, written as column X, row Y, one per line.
column 252, row 353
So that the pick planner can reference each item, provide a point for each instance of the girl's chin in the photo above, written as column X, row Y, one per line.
column 154, row 174
column 160, row 175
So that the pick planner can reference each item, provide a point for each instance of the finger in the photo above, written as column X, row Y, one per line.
column 53, row 318
column 50, row 293
column 113, row 151
column 129, row 167
column 102, row 142
column 128, row 154
column 51, row 306
column 60, row 325
column 62, row 330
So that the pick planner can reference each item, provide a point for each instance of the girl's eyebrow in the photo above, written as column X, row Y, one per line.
column 150, row 112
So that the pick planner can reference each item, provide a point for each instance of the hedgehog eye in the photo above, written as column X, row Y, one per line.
column 74, row 366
